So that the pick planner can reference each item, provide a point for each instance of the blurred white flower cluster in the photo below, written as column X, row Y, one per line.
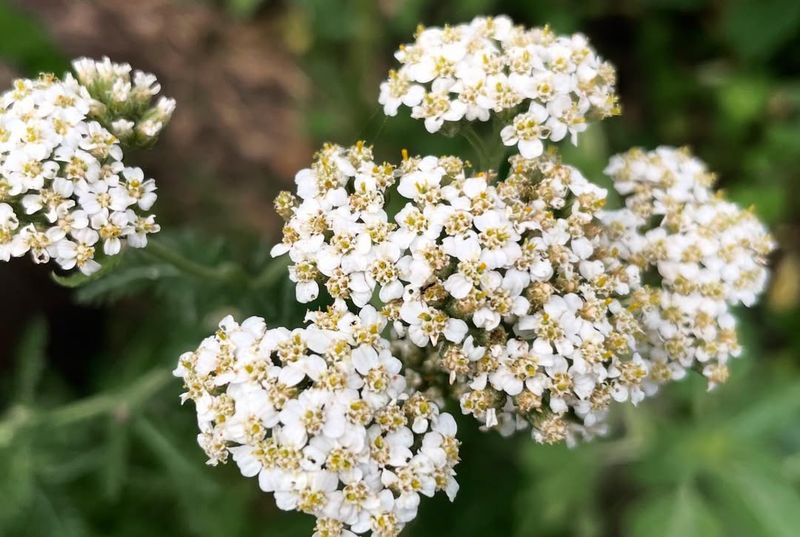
column 322, row 417
column 705, row 253
column 513, row 291
column 540, row 85
column 65, row 191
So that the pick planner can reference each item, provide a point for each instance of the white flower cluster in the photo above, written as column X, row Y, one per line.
column 542, row 86
column 706, row 254
column 64, row 188
column 321, row 416
column 520, row 295
column 498, row 280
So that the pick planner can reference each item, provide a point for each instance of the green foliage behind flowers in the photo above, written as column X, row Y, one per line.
column 111, row 455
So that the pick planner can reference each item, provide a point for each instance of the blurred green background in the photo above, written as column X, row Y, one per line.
column 92, row 439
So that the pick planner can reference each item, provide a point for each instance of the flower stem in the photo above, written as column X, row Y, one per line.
column 477, row 145
column 272, row 273
column 131, row 397
column 498, row 150
column 224, row 272
column 120, row 401
column 490, row 152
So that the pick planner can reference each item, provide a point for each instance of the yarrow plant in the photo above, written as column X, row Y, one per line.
column 66, row 193
column 509, row 287
column 505, row 287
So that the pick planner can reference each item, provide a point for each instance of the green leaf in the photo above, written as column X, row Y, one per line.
column 682, row 513
column 171, row 457
column 772, row 502
column 768, row 414
column 25, row 44
column 79, row 279
column 17, row 485
column 561, row 483
column 68, row 469
column 244, row 8
column 124, row 281
column 116, row 456
column 30, row 358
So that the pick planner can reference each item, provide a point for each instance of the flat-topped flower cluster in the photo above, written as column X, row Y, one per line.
column 540, row 85
column 706, row 253
column 498, row 279
column 65, row 191
column 322, row 416
column 515, row 292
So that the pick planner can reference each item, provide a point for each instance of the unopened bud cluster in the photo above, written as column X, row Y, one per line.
column 65, row 192
column 125, row 100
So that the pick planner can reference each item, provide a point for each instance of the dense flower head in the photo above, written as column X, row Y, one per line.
column 496, row 281
column 705, row 255
column 322, row 416
column 65, row 192
column 541, row 85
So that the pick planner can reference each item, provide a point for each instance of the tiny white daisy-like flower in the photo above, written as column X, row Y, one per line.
column 527, row 131
column 519, row 295
column 79, row 252
column 9, row 223
column 124, row 99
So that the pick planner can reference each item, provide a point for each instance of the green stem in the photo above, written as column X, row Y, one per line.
column 272, row 273
column 498, row 150
column 492, row 151
column 477, row 145
column 630, row 447
column 131, row 397
column 171, row 256
column 122, row 401
column 496, row 157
